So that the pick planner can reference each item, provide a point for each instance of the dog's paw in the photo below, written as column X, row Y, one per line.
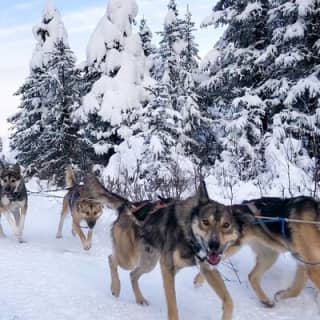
column 198, row 280
column 21, row 240
column 280, row 295
column 59, row 236
column 87, row 245
column 268, row 303
column 142, row 302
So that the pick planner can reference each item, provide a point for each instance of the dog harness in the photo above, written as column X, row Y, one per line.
column 75, row 195
column 264, row 220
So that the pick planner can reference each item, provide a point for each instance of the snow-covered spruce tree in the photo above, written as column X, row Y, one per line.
column 292, row 87
column 163, row 163
column 230, row 73
column 150, row 51
column 60, row 144
column 30, row 122
column 27, row 124
column 172, row 118
column 109, row 111
column 146, row 38
column 169, row 50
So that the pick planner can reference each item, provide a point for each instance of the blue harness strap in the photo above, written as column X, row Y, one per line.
column 283, row 222
column 75, row 195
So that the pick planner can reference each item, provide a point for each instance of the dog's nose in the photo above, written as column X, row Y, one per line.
column 214, row 245
column 91, row 224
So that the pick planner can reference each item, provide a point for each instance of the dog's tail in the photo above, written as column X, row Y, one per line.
column 97, row 191
column 70, row 178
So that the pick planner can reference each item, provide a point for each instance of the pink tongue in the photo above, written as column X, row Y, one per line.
column 213, row 258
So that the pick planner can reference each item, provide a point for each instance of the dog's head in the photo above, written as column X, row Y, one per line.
column 10, row 179
column 215, row 226
column 90, row 211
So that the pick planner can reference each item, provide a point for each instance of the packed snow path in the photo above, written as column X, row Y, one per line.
column 46, row 278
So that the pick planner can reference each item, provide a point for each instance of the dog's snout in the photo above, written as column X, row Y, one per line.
column 214, row 244
column 7, row 189
column 91, row 224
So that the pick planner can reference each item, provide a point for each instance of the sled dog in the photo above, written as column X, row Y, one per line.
column 181, row 233
column 82, row 208
column 269, row 238
column 14, row 199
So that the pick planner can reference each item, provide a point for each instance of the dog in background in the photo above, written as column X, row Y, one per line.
column 300, row 236
column 13, row 198
column 195, row 231
column 82, row 209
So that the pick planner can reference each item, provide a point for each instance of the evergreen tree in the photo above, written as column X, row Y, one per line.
column 170, row 49
column 29, row 123
column 108, row 115
column 60, row 143
column 230, row 73
column 292, row 84
column 263, row 78
column 146, row 38
column 149, row 49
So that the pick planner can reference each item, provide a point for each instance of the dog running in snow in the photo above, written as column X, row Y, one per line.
column 195, row 231
column 82, row 208
column 269, row 239
column 13, row 199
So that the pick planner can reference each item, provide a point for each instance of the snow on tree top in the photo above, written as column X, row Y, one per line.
column 106, row 35
column 122, row 13
column 170, row 18
column 47, row 33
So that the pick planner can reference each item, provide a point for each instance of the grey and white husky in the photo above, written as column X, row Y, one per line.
column 13, row 198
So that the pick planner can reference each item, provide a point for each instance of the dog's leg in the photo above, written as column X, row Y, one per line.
column 168, row 277
column 16, row 215
column 89, row 239
column 298, row 284
column 115, row 281
column 215, row 280
column 11, row 222
column 81, row 235
column 148, row 260
column 64, row 213
column 20, row 224
column 314, row 275
column 2, row 235
column 265, row 258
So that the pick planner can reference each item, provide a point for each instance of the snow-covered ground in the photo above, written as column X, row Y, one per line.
column 46, row 278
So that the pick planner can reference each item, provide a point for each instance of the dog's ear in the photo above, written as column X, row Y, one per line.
column 202, row 193
column 243, row 214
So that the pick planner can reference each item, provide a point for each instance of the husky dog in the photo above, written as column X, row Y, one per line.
column 300, row 235
column 182, row 233
column 13, row 198
column 82, row 208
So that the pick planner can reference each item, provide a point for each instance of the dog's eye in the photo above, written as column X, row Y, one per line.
column 13, row 180
column 205, row 222
column 5, row 180
column 226, row 225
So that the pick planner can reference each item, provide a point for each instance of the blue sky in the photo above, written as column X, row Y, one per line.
column 80, row 17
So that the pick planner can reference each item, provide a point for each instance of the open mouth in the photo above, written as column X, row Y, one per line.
column 213, row 258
